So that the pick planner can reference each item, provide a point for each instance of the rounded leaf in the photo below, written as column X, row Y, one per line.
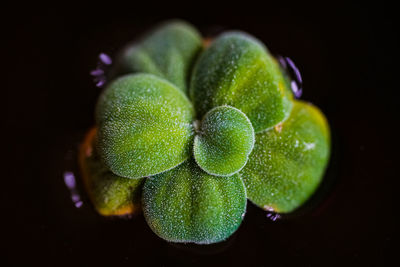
column 237, row 70
column 145, row 126
column 224, row 141
column 109, row 193
column 166, row 52
column 288, row 162
column 188, row 205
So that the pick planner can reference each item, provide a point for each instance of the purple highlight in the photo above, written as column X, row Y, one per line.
column 295, row 69
column 97, row 72
column 78, row 204
column 101, row 83
column 69, row 180
column 282, row 61
column 296, row 90
column 75, row 197
column 291, row 70
column 273, row 216
column 104, row 58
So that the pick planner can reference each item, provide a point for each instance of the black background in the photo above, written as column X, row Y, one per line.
column 346, row 53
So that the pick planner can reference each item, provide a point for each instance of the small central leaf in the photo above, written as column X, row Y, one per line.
column 224, row 142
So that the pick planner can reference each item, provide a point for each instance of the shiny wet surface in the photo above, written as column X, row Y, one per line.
column 345, row 67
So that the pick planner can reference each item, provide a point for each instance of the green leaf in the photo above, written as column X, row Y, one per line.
column 237, row 70
column 224, row 141
column 109, row 193
column 145, row 126
column 167, row 52
column 288, row 162
column 188, row 205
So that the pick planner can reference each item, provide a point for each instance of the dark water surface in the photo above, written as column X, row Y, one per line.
column 345, row 56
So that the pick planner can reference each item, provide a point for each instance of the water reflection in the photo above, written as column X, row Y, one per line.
column 293, row 73
column 99, row 74
column 273, row 216
column 70, row 182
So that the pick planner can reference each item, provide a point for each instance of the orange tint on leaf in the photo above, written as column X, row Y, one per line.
column 85, row 152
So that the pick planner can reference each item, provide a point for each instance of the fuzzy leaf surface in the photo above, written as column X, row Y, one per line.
column 109, row 193
column 288, row 162
column 167, row 52
column 188, row 205
column 237, row 70
column 224, row 142
column 145, row 125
